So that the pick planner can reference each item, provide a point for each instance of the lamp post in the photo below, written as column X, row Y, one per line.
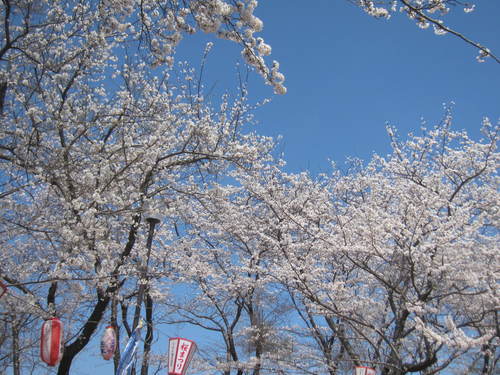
column 152, row 219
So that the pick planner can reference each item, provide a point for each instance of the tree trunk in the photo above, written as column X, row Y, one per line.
column 90, row 326
column 103, row 299
column 16, row 369
column 149, row 334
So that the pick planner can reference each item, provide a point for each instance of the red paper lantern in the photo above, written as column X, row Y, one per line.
column 3, row 289
column 51, row 342
column 108, row 343
column 180, row 352
column 363, row 370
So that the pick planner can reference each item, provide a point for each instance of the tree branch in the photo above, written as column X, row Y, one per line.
column 484, row 51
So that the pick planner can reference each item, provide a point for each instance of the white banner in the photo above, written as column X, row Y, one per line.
column 180, row 352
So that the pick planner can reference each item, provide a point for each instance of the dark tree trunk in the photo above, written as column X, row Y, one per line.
column 103, row 299
column 149, row 334
column 16, row 363
column 90, row 326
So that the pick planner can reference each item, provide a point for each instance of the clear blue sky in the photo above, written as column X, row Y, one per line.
column 347, row 75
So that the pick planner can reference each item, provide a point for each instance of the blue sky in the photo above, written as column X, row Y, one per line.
column 347, row 76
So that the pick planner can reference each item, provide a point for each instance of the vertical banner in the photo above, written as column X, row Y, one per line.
column 130, row 351
column 180, row 353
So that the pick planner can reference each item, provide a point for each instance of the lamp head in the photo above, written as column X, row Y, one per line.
column 151, row 215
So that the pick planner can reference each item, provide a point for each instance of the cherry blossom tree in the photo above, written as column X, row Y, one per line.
column 80, row 168
column 396, row 260
column 221, row 258
column 96, row 127
column 64, row 40
column 102, row 128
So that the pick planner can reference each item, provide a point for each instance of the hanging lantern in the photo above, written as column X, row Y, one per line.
column 3, row 289
column 363, row 370
column 51, row 342
column 108, row 343
column 180, row 352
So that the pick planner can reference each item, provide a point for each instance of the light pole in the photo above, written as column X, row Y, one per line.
column 127, row 360
column 152, row 220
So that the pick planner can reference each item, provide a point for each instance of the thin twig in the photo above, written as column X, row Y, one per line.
column 438, row 24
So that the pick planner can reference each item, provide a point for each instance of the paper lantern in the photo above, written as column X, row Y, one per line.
column 363, row 370
column 180, row 352
column 108, row 343
column 3, row 289
column 51, row 341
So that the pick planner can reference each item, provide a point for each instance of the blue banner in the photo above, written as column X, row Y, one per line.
column 129, row 354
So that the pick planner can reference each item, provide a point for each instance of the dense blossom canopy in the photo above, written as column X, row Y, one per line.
column 126, row 193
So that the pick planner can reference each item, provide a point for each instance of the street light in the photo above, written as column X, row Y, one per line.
column 152, row 219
